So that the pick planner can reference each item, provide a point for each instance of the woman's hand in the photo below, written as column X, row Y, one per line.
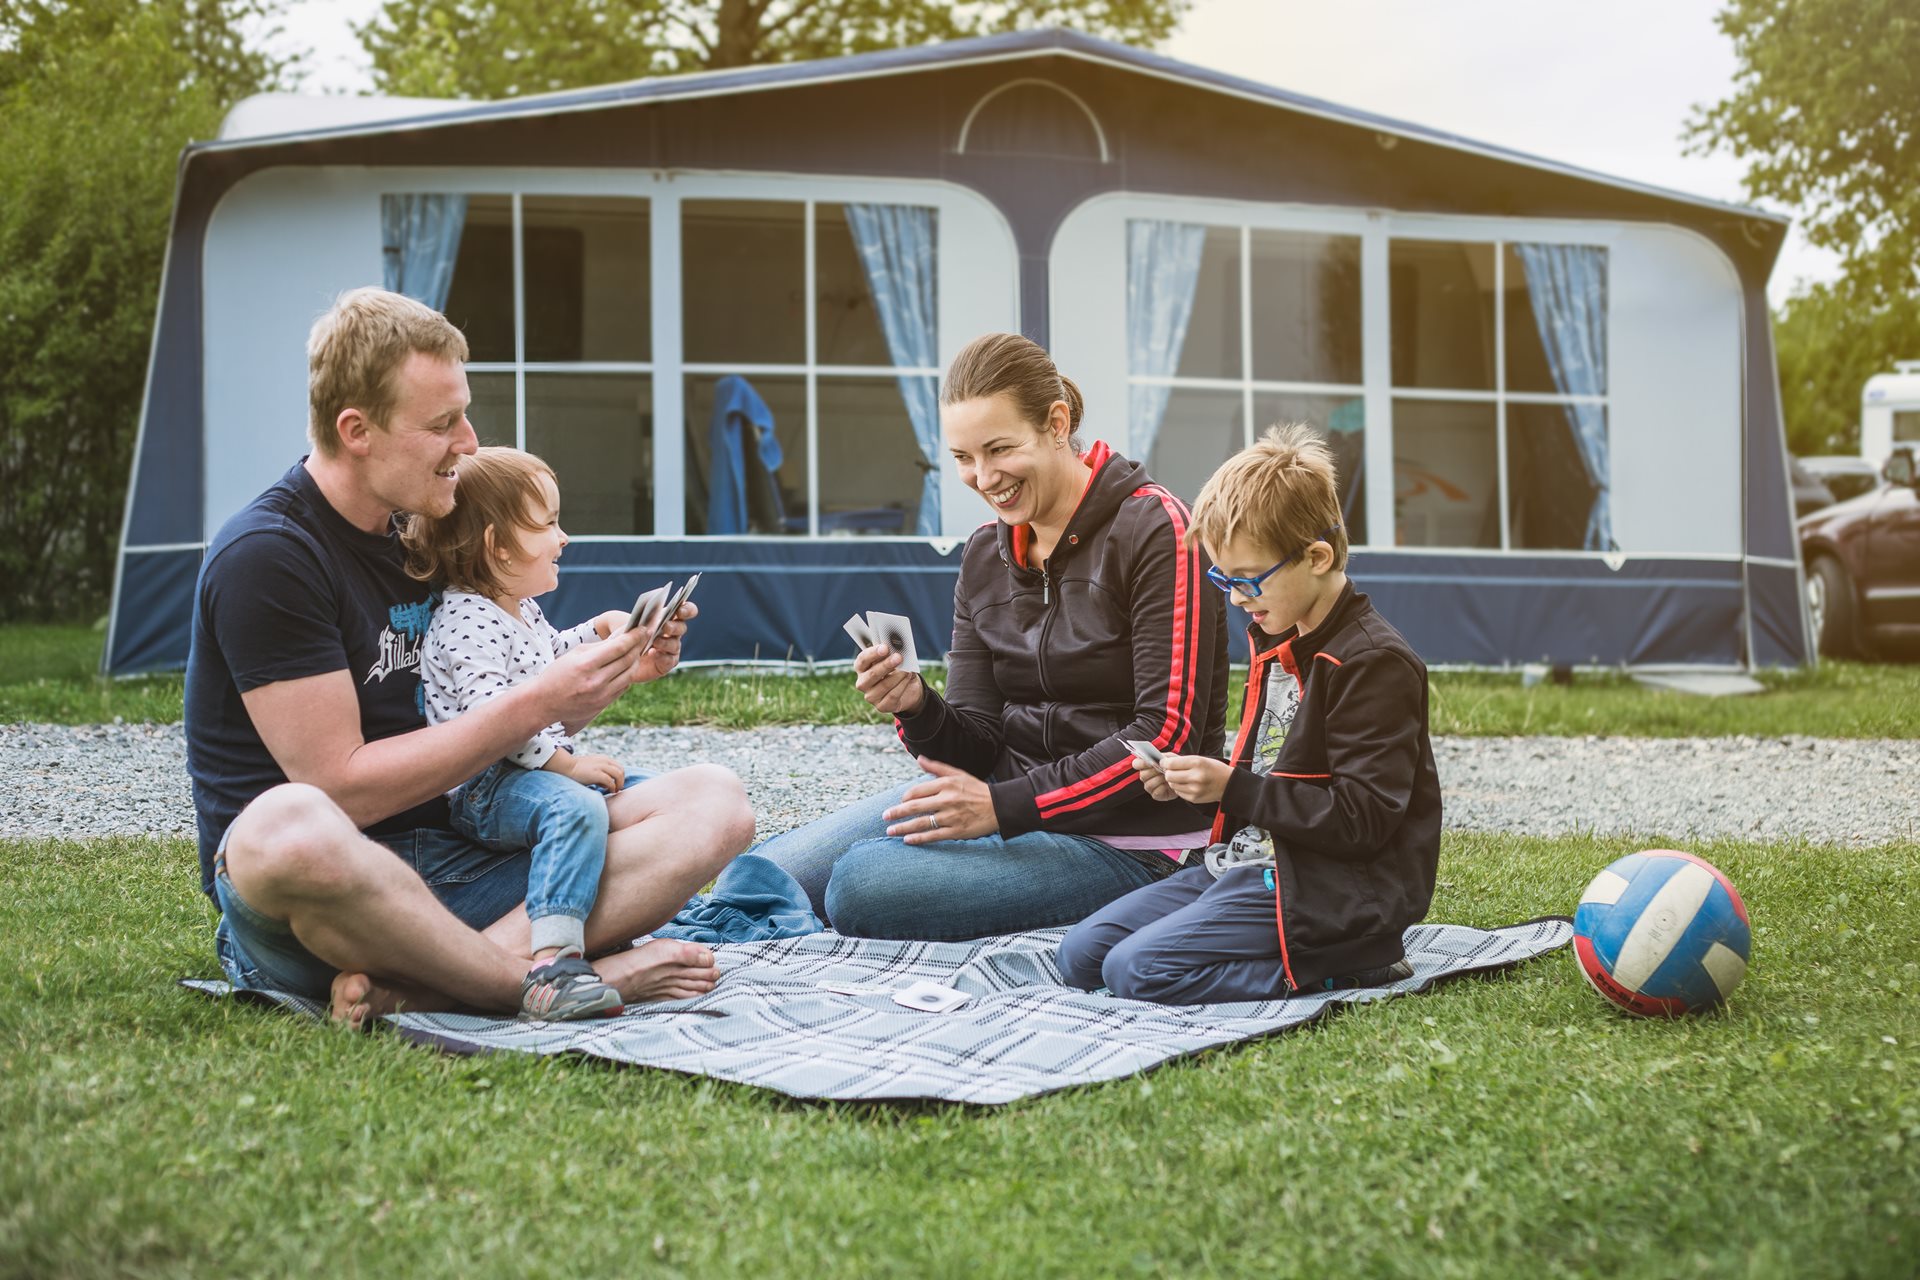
column 959, row 805
column 877, row 675
column 1153, row 780
column 1196, row 779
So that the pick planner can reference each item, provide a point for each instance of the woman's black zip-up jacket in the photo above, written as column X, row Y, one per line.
column 1117, row 635
column 1352, row 801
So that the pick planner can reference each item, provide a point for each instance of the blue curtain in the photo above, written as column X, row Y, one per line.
column 1163, row 270
column 420, row 238
column 1568, row 286
column 896, row 246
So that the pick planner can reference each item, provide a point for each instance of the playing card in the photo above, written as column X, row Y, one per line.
column 930, row 997
column 671, row 607
column 1145, row 750
column 895, row 632
column 862, row 634
column 645, row 607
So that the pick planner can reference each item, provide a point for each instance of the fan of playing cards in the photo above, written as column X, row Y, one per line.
column 889, row 629
column 656, row 607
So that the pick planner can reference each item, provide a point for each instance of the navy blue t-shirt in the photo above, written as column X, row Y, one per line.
column 289, row 589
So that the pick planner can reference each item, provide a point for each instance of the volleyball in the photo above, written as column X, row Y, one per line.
column 1662, row 933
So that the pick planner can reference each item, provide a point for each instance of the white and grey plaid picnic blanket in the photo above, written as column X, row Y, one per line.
column 770, row 1022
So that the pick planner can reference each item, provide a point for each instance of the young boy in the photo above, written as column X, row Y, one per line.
column 1328, row 837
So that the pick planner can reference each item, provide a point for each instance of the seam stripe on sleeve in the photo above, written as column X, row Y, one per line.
column 1180, row 674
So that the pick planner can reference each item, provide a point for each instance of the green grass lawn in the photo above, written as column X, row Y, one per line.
column 1506, row 1126
column 47, row 674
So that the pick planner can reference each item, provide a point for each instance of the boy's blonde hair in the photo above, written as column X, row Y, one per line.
column 499, row 490
column 1281, row 493
column 355, row 352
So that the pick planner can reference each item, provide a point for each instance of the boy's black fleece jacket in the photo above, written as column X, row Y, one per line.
column 1353, row 800
column 1117, row 635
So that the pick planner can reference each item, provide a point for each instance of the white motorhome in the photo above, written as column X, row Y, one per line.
column 1890, row 411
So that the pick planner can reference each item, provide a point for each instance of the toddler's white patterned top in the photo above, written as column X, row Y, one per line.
column 476, row 649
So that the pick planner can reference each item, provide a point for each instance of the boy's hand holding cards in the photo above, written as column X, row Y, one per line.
column 1144, row 751
column 888, row 629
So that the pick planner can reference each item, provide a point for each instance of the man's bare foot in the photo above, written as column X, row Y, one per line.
column 358, row 998
column 663, row 969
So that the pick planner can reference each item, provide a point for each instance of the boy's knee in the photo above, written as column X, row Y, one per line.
column 1079, row 957
column 1137, row 970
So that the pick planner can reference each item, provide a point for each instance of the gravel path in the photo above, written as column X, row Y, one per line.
column 93, row 780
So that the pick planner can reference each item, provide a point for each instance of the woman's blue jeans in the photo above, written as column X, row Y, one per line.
column 868, row 884
column 561, row 822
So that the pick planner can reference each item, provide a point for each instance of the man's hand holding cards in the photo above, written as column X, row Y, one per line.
column 655, row 608
column 887, row 668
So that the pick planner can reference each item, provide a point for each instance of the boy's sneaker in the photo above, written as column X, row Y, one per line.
column 566, row 988
column 1386, row 975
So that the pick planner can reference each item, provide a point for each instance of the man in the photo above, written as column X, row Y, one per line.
column 320, row 790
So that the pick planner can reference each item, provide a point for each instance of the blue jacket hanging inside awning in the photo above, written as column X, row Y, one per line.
column 743, row 493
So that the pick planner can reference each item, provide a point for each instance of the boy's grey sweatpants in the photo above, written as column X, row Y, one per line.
column 1188, row 939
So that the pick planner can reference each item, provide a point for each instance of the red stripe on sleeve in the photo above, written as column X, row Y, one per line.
column 1180, row 673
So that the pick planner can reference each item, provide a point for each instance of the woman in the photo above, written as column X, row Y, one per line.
column 1081, row 620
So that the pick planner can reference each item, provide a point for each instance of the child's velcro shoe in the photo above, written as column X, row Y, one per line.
column 565, row 988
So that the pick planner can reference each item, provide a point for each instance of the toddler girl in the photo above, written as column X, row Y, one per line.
column 496, row 550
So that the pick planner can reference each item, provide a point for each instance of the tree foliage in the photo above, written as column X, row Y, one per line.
column 1826, row 111
column 1830, row 339
column 96, row 101
column 506, row 48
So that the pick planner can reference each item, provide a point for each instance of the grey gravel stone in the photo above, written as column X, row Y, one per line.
column 93, row 780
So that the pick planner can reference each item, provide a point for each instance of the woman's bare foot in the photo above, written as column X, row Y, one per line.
column 663, row 969
column 357, row 998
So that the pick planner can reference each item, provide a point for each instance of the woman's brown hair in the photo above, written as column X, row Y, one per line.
column 1019, row 368
column 499, row 492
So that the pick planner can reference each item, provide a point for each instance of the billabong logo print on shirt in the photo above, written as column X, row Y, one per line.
column 401, row 639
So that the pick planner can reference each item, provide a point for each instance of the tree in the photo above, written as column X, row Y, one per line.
column 506, row 48
column 1826, row 110
column 96, row 101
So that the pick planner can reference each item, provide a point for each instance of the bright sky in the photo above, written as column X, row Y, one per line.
column 1607, row 87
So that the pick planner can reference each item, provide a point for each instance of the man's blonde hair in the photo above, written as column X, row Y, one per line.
column 1281, row 494
column 355, row 352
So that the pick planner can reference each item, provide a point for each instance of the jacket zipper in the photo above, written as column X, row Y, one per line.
column 1046, row 624
column 1258, row 671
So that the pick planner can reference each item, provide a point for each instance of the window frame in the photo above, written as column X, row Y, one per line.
column 1499, row 396
column 967, row 227
column 1087, row 278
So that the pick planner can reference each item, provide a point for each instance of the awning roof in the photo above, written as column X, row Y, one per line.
column 1017, row 46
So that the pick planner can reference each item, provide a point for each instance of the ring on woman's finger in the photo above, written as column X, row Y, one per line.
column 932, row 822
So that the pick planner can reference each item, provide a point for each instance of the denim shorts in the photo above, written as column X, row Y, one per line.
column 478, row 885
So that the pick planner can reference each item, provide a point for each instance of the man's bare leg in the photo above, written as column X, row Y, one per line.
column 294, row 855
column 671, row 835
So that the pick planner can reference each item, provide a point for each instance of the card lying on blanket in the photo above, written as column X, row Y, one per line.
column 815, row 1017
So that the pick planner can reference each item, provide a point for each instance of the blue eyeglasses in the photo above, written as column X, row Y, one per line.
column 1250, row 587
